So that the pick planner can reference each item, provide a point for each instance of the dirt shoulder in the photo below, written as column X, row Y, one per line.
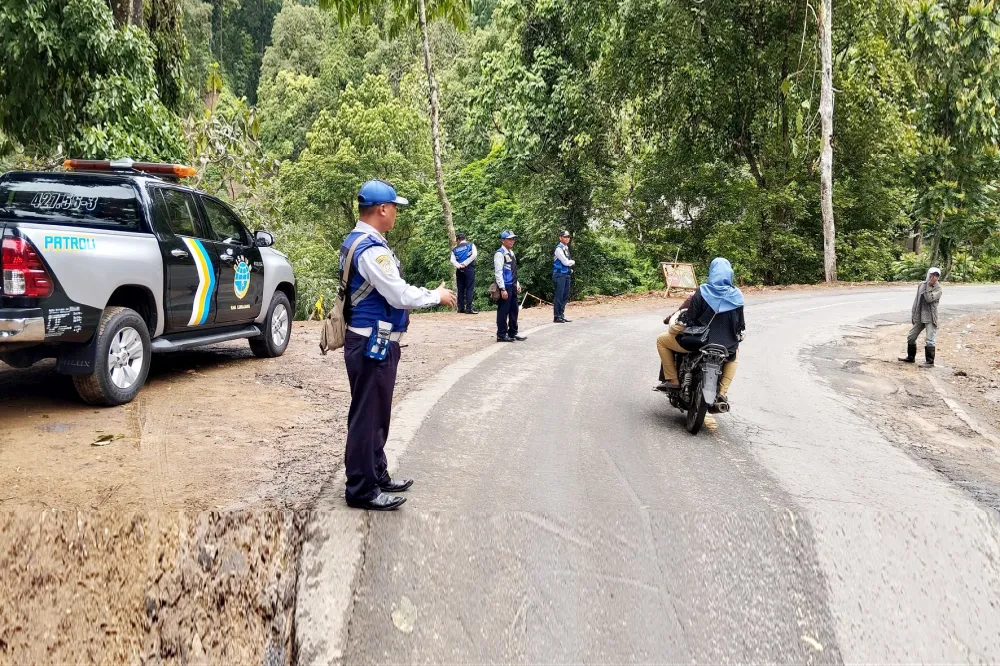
column 178, row 541
column 911, row 404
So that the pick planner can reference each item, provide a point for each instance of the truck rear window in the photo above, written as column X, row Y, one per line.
column 57, row 201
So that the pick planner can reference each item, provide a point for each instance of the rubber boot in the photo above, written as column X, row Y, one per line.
column 928, row 357
column 911, row 353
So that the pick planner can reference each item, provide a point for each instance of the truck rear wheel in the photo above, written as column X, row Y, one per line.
column 277, row 330
column 122, row 362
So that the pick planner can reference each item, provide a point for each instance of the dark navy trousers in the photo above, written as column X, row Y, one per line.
column 466, row 287
column 372, row 383
column 507, row 313
column 561, row 298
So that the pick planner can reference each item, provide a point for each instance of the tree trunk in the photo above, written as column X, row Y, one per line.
column 432, row 95
column 120, row 10
column 825, row 17
column 136, row 19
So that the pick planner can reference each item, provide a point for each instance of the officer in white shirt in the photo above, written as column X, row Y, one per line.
column 375, row 309
column 505, row 274
column 562, row 276
column 463, row 259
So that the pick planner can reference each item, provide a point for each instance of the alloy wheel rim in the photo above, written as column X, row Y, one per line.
column 126, row 358
column 279, row 325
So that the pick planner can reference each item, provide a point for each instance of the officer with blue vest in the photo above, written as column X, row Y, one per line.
column 562, row 276
column 463, row 259
column 505, row 275
column 375, row 309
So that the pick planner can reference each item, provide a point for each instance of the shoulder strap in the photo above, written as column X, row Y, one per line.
column 349, row 261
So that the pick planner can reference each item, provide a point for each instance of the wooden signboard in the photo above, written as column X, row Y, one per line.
column 678, row 276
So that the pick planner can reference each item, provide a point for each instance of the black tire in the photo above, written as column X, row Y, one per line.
column 266, row 346
column 100, row 388
column 696, row 409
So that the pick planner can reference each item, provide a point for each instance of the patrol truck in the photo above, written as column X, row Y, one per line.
column 110, row 262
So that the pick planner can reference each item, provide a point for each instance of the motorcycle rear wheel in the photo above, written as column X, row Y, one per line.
column 697, row 408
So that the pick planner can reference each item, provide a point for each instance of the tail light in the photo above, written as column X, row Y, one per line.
column 24, row 273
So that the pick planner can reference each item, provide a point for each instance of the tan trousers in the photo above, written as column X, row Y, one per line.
column 666, row 344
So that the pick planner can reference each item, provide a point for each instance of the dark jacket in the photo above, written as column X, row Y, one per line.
column 725, row 328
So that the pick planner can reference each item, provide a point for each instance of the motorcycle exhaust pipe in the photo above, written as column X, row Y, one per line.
column 723, row 407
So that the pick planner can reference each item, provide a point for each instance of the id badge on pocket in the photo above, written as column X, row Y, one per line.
column 378, row 341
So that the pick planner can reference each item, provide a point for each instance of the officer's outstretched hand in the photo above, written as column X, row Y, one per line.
column 447, row 296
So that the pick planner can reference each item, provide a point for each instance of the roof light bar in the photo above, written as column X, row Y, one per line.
column 152, row 168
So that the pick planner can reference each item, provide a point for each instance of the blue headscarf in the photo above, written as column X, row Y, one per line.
column 718, row 291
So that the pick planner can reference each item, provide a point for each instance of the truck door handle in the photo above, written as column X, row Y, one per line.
column 180, row 254
column 228, row 258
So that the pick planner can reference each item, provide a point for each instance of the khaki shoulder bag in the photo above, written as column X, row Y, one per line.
column 335, row 326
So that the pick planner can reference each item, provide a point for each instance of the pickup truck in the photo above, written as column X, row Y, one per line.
column 111, row 262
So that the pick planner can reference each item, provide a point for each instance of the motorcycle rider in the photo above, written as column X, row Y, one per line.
column 717, row 304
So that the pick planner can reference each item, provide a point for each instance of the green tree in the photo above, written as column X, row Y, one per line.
column 727, row 87
column 241, row 31
column 956, row 48
column 196, row 22
column 71, row 81
column 539, row 100
column 163, row 23
column 405, row 15
column 309, row 62
column 372, row 134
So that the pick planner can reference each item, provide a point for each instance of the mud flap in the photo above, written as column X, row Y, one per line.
column 78, row 359
column 710, row 383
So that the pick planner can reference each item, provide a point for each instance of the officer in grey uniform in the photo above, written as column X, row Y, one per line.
column 375, row 309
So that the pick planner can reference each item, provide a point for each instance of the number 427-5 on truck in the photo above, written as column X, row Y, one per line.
column 111, row 262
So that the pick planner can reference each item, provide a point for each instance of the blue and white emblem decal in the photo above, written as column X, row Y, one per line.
column 241, row 280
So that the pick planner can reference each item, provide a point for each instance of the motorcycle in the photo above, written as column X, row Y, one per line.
column 698, row 373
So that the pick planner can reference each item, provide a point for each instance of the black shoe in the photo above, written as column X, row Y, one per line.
column 461, row 312
column 472, row 312
column 557, row 320
column 911, row 354
column 566, row 321
column 507, row 339
column 396, row 486
column 381, row 502
column 928, row 357
column 667, row 386
column 518, row 338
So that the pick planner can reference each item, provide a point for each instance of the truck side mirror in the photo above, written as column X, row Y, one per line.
column 263, row 239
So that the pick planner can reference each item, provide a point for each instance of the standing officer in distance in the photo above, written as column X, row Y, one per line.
column 505, row 274
column 375, row 309
column 463, row 258
column 562, row 272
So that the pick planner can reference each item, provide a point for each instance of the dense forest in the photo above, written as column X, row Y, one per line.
column 651, row 129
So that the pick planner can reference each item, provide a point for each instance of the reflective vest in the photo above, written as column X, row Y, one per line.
column 364, row 306
column 462, row 251
column 509, row 266
column 558, row 267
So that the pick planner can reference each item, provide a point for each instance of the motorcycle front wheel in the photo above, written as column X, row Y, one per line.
column 697, row 408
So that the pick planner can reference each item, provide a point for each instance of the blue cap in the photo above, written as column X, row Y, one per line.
column 376, row 192
column 507, row 234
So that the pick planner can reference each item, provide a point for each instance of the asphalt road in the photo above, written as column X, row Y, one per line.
column 562, row 514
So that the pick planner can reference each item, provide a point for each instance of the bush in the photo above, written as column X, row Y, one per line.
column 911, row 267
column 866, row 255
